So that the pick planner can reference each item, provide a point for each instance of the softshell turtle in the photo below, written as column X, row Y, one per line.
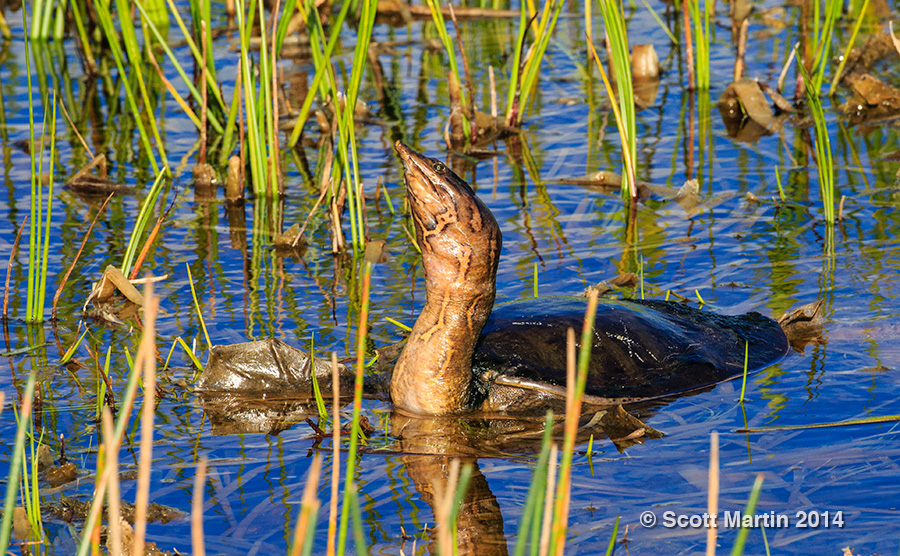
column 464, row 354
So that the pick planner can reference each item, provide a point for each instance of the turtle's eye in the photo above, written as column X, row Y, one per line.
column 438, row 167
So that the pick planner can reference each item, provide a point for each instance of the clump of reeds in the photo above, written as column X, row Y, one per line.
column 824, row 157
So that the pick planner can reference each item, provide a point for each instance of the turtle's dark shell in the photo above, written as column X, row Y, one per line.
column 641, row 348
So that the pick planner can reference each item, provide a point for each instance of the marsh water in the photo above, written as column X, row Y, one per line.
column 739, row 247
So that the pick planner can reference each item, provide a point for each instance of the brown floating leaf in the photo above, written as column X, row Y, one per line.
column 114, row 280
column 62, row 474
column 376, row 251
column 803, row 325
column 625, row 280
column 751, row 98
column 625, row 429
column 689, row 196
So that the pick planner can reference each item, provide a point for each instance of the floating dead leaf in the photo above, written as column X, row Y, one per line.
column 625, row 280
column 127, row 531
column 113, row 280
column 601, row 288
column 84, row 182
column 747, row 97
column 288, row 238
column 61, row 474
column 21, row 525
column 376, row 251
column 803, row 325
column 688, row 196
column 45, row 457
column 625, row 429
column 781, row 103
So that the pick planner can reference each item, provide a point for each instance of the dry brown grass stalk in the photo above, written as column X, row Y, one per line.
column 712, row 504
column 111, row 470
column 12, row 256
column 87, row 235
column 197, row 545
column 308, row 506
column 146, row 357
column 336, row 453
column 547, row 519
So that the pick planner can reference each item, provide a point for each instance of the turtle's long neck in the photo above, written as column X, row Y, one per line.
column 460, row 242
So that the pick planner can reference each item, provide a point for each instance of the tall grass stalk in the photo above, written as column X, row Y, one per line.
column 146, row 352
column 212, row 86
column 575, row 385
column 131, row 48
column 702, row 40
column 263, row 162
column 143, row 219
column 824, row 157
column 39, row 240
column 305, row 530
column 712, row 499
column 318, row 87
column 197, row 543
column 531, row 62
column 840, row 70
column 347, row 161
column 15, row 466
column 626, row 131
column 821, row 42
column 741, row 539
column 455, row 82
column 357, row 406
column 529, row 523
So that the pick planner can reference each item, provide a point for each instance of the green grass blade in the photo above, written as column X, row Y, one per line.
column 741, row 539
column 9, row 502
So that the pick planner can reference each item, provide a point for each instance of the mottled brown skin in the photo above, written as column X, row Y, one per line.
column 460, row 242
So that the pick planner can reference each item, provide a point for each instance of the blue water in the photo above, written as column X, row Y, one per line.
column 739, row 255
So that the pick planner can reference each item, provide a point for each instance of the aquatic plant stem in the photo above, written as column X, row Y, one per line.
column 304, row 530
column 840, row 69
column 12, row 255
column 623, row 130
column 357, row 406
column 197, row 544
column 147, row 355
column 741, row 540
column 575, row 394
column 111, row 469
column 712, row 499
column 335, row 453
column 68, row 273
column 9, row 502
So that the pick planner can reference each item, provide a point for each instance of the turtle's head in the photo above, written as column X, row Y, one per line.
column 460, row 243
column 457, row 234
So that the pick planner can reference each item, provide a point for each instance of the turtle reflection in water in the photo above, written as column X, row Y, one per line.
column 466, row 356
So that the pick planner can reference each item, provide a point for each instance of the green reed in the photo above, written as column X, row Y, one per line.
column 18, row 457
column 824, row 156
column 624, row 108
column 524, row 76
column 530, row 522
column 741, row 539
column 38, row 239
column 821, row 42
column 347, row 162
column 856, row 26
column 467, row 104
column 43, row 16
column 702, row 41
column 318, row 87
column 355, row 431
column 31, row 499
column 135, row 77
column 143, row 219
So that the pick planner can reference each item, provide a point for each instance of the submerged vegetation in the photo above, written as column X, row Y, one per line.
column 300, row 100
